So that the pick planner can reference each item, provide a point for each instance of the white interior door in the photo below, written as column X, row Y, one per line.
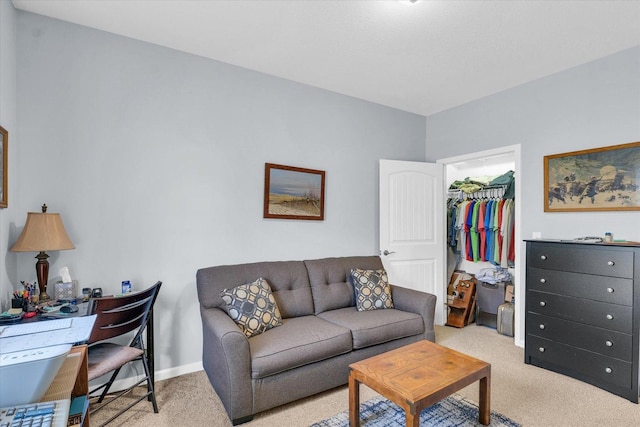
column 412, row 244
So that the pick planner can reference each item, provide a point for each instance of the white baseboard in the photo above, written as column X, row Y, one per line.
column 135, row 375
column 165, row 374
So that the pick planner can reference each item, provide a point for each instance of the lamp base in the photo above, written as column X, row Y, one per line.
column 44, row 297
column 42, row 272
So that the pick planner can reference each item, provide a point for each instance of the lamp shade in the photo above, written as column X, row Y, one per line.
column 43, row 232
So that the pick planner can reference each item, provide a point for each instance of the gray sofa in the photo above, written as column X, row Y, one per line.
column 321, row 333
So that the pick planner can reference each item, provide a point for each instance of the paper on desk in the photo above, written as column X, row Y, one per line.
column 76, row 333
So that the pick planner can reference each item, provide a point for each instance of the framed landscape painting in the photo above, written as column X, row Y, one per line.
column 293, row 193
column 4, row 161
column 600, row 179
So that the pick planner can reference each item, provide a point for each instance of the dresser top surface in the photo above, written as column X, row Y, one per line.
column 578, row 242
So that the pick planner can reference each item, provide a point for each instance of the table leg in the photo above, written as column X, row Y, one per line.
column 354, row 401
column 484, row 409
column 413, row 420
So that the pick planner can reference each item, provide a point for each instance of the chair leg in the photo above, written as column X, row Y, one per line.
column 150, row 394
column 108, row 385
column 150, row 385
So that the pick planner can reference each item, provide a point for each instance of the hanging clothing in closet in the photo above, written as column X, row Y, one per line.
column 481, row 223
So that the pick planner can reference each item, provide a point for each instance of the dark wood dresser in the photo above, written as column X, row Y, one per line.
column 583, row 312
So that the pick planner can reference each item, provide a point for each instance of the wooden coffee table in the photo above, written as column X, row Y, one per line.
column 416, row 376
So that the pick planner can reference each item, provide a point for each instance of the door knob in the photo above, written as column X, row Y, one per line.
column 386, row 252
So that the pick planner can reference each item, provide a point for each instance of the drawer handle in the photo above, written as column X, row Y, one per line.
column 611, row 263
column 542, row 303
column 543, row 280
column 608, row 370
column 609, row 343
column 542, row 326
column 610, row 290
column 543, row 257
column 610, row 316
column 541, row 349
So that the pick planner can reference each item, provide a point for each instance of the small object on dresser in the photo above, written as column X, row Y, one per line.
column 588, row 239
column 608, row 237
column 126, row 286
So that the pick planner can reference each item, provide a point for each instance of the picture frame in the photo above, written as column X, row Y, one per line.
column 599, row 179
column 4, row 165
column 293, row 193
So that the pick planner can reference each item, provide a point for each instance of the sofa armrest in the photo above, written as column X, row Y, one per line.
column 421, row 303
column 227, row 361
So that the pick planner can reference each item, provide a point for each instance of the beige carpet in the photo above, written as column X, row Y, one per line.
column 529, row 395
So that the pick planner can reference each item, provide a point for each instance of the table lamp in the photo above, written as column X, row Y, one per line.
column 43, row 232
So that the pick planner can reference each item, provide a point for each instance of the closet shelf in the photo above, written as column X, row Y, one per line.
column 486, row 192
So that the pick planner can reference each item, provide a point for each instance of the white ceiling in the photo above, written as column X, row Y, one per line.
column 422, row 58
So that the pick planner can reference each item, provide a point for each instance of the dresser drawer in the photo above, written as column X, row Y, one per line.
column 603, row 341
column 594, row 313
column 574, row 360
column 613, row 290
column 600, row 260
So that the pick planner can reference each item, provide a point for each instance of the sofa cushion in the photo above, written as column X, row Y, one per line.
column 288, row 280
column 377, row 326
column 372, row 289
column 252, row 306
column 330, row 283
column 298, row 342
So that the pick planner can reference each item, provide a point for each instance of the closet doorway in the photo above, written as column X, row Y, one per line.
column 491, row 163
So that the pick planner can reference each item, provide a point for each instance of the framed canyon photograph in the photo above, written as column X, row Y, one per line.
column 293, row 193
column 600, row 179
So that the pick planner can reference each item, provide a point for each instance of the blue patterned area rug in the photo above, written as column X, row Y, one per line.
column 454, row 411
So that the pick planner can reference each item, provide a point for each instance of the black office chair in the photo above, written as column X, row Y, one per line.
column 118, row 315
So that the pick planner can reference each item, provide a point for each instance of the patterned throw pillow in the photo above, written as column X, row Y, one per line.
column 253, row 307
column 372, row 289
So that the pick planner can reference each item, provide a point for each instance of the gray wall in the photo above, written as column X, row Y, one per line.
column 8, row 120
column 155, row 160
column 593, row 105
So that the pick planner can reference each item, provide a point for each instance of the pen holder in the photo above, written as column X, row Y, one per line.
column 17, row 303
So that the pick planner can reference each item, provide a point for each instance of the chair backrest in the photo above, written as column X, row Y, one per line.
column 118, row 315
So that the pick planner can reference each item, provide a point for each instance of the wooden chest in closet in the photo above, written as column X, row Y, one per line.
column 583, row 312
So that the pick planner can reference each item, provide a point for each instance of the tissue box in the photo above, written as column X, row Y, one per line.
column 64, row 291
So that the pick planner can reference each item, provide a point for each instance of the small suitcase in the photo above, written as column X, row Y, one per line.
column 505, row 319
